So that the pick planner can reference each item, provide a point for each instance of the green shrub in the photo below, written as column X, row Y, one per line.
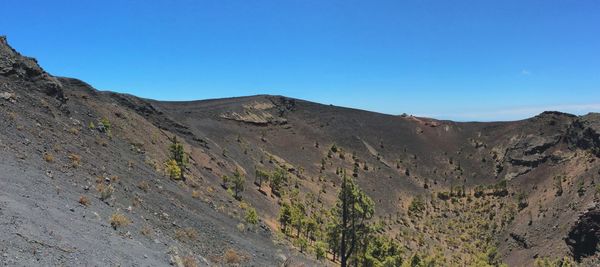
column 417, row 205
column 177, row 154
column 334, row 148
column 522, row 201
column 107, row 127
column 238, row 181
column 251, row 216
column 581, row 188
column 172, row 169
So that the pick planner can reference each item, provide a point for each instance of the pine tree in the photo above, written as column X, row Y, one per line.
column 353, row 209
column 238, row 180
column 177, row 154
column 285, row 216
column 260, row 176
column 278, row 178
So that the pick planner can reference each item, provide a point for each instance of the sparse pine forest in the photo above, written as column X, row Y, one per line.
column 271, row 180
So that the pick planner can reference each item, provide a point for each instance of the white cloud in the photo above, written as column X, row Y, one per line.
column 525, row 72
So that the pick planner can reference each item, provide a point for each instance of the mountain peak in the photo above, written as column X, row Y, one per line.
column 13, row 65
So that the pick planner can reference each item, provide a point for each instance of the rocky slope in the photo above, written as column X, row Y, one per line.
column 64, row 142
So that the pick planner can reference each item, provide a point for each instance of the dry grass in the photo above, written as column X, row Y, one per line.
column 144, row 186
column 105, row 191
column 57, row 148
column 48, row 157
column 101, row 141
column 189, row 261
column 187, row 233
column 75, row 160
column 232, row 257
column 12, row 116
column 119, row 220
column 83, row 200
column 74, row 131
column 136, row 202
column 146, row 230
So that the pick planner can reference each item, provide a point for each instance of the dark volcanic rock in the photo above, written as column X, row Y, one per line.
column 584, row 237
column 520, row 239
column 584, row 133
column 529, row 152
column 50, row 159
column 15, row 66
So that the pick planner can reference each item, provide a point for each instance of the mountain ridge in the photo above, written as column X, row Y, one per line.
column 70, row 141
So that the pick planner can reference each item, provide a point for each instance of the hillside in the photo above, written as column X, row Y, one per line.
column 83, row 179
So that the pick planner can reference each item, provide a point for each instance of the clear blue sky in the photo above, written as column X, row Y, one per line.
column 463, row 60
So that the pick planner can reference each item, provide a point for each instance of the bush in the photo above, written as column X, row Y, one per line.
column 232, row 257
column 581, row 188
column 278, row 178
column 234, row 184
column 75, row 160
column 301, row 243
column 105, row 191
column 417, row 205
column 260, row 176
column 189, row 261
column 172, row 169
column 320, row 250
column 334, row 148
column 146, row 230
column 187, row 233
column 74, row 131
column 83, row 200
column 177, row 154
column 251, row 216
column 119, row 220
column 522, row 201
column 225, row 182
column 238, row 181
column 106, row 124
column 144, row 186
column 48, row 157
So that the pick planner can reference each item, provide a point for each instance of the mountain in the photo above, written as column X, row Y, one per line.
column 84, row 180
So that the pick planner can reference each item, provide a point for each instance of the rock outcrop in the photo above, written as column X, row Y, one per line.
column 584, row 237
column 584, row 133
column 15, row 66
column 262, row 113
